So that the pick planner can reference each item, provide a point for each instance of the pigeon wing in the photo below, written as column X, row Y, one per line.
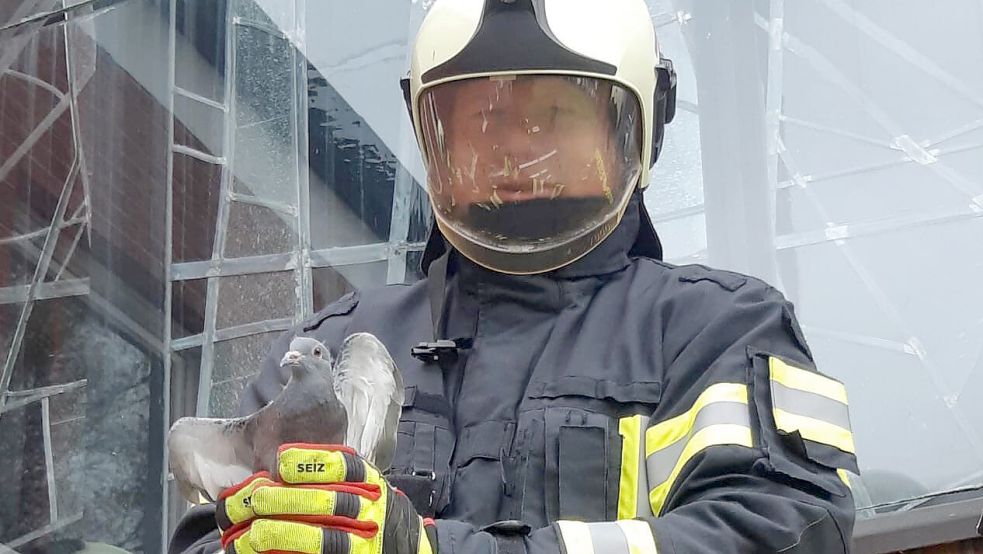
column 208, row 455
column 366, row 378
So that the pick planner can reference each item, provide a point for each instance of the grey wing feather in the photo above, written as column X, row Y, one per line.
column 371, row 388
column 208, row 455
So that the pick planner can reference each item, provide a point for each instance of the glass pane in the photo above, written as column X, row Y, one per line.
column 71, row 253
column 185, row 369
column 677, row 179
column 265, row 162
column 199, row 66
column 68, row 443
column 240, row 358
column 352, row 173
column 255, row 230
column 25, row 506
column 264, row 80
column 195, row 208
column 188, row 307
column 198, row 125
column 683, row 237
column 331, row 283
column 224, row 399
column 250, row 298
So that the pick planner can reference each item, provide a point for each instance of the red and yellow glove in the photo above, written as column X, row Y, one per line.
column 324, row 499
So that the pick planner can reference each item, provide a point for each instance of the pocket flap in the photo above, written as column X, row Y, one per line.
column 646, row 392
column 432, row 403
column 804, row 422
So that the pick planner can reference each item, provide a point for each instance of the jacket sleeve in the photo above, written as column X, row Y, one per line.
column 196, row 533
column 745, row 454
column 749, row 448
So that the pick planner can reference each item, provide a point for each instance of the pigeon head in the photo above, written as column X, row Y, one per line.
column 305, row 346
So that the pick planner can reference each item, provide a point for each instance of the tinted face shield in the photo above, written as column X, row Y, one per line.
column 527, row 173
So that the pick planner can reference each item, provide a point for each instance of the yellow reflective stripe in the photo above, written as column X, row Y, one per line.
column 576, row 537
column 815, row 430
column 804, row 380
column 713, row 435
column 639, row 536
column 669, row 431
column 630, row 429
column 271, row 534
column 844, row 477
column 283, row 501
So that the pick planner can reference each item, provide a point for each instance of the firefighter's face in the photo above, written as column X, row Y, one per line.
column 513, row 140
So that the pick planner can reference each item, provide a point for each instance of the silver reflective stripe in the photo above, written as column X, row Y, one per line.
column 576, row 537
column 642, row 506
column 608, row 538
column 626, row 536
column 661, row 463
column 641, row 540
column 810, row 405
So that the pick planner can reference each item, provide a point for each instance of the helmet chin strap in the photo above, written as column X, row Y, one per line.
column 440, row 351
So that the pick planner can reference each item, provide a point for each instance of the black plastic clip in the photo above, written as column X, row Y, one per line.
column 444, row 350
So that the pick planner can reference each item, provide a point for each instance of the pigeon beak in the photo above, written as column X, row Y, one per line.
column 290, row 358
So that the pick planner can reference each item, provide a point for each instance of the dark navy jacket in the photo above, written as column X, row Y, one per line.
column 529, row 424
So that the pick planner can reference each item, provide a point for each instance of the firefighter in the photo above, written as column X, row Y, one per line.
column 566, row 390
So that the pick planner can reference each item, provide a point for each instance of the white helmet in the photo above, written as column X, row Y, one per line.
column 537, row 119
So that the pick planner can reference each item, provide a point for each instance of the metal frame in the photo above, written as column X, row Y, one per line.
column 952, row 520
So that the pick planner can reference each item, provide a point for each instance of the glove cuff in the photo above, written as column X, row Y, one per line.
column 428, row 536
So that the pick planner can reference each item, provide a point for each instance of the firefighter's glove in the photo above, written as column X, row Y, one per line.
column 324, row 499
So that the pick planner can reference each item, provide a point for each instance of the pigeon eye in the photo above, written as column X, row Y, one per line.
column 317, row 351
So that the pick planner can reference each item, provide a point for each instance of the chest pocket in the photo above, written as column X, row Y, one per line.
column 424, row 444
column 587, row 457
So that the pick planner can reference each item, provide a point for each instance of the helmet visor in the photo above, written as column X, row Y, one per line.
column 526, row 173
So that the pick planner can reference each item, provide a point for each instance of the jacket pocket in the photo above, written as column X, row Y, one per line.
column 581, row 464
column 584, row 444
column 803, row 422
column 424, row 445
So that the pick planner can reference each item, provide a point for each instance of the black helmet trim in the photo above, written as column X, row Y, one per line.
column 664, row 106
column 530, row 45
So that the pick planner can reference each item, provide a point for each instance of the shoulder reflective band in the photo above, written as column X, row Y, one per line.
column 719, row 416
column 614, row 537
column 633, row 489
column 812, row 404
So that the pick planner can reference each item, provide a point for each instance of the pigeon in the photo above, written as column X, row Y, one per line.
column 356, row 401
